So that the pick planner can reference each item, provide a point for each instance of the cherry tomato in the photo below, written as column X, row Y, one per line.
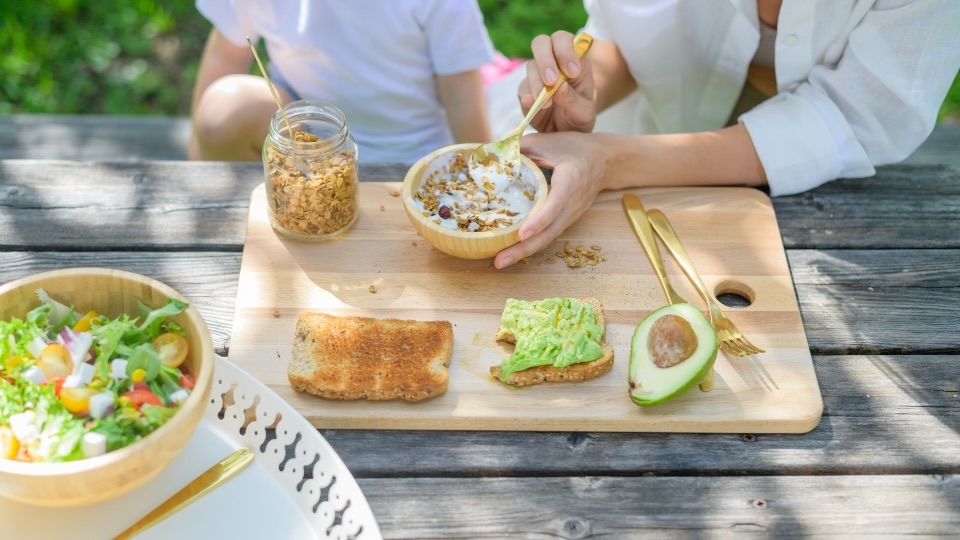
column 57, row 383
column 186, row 381
column 55, row 361
column 84, row 324
column 140, row 397
column 77, row 400
column 9, row 445
column 172, row 348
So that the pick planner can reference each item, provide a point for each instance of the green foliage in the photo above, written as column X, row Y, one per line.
column 950, row 112
column 514, row 24
column 77, row 56
column 141, row 56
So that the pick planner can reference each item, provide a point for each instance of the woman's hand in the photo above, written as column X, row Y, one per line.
column 578, row 168
column 572, row 107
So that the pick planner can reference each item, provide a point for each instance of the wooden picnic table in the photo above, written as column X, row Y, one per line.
column 876, row 266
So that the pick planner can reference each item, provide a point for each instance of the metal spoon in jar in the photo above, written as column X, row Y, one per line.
column 507, row 149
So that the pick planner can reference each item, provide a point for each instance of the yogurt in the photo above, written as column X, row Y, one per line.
column 489, row 198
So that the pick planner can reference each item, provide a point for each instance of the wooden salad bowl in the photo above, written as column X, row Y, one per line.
column 91, row 480
column 463, row 244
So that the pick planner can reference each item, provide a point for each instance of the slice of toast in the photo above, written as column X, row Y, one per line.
column 347, row 357
column 580, row 371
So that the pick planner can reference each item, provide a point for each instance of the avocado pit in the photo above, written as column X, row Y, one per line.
column 671, row 341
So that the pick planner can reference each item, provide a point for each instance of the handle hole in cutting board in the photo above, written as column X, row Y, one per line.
column 734, row 294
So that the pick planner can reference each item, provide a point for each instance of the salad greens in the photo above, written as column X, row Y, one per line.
column 75, row 386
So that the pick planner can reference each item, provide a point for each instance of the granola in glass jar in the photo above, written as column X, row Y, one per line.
column 311, row 180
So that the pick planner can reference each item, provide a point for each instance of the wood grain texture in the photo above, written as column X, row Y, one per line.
column 901, row 207
column 879, row 301
column 692, row 507
column 153, row 205
column 911, row 403
column 208, row 280
column 93, row 137
column 168, row 204
column 731, row 235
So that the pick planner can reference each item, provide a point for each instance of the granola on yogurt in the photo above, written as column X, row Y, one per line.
column 498, row 198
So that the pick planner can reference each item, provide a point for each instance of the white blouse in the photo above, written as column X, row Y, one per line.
column 859, row 82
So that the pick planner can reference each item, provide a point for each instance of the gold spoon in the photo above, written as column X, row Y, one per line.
column 507, row 149
column 273, row 91
column 209, row 480
column 306, row 137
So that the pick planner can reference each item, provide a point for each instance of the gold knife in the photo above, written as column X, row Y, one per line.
column 209, row 480
column 641, row 227
column 644, row 231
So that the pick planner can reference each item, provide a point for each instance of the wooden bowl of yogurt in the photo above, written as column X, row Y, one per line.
column 467, row 217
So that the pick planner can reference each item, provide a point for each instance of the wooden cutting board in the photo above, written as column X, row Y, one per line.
column 730, row 233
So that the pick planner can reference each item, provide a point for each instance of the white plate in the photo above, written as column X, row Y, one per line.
column 270, row 499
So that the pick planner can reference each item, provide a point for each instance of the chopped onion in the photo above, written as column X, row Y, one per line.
column 101, row 405
column 93, row 444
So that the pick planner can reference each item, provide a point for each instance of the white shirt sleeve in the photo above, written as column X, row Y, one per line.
column 232, row 21
column 456, row 36
column 876, row 106
column 596, row 25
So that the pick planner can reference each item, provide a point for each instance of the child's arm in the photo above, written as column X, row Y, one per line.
column 462, row 97
column 220, row 58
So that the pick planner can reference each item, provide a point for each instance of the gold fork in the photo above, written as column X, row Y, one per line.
column 731, row 339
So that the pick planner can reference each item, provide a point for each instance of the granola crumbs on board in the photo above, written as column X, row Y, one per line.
column 580, row 256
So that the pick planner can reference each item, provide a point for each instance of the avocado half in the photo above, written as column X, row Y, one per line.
column 651, row 384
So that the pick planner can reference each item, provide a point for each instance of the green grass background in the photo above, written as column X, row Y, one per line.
column 141, row 56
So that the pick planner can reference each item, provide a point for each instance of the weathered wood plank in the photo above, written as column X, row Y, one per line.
column 605, row 507
column 942, row 147
column 208, row 279
column 133, row 206
column 887, row 301
column 903, row 206
column 911, row 403
column 93, row 137
column 179, row 204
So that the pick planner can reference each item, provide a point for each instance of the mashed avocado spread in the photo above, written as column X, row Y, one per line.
column 554, row 331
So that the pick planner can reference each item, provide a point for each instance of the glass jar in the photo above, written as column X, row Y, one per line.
column 311, row 178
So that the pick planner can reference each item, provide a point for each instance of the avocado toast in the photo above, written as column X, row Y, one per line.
column 557, row 340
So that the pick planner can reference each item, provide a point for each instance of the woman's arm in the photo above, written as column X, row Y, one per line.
column 875, row 104
column 586, row 163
